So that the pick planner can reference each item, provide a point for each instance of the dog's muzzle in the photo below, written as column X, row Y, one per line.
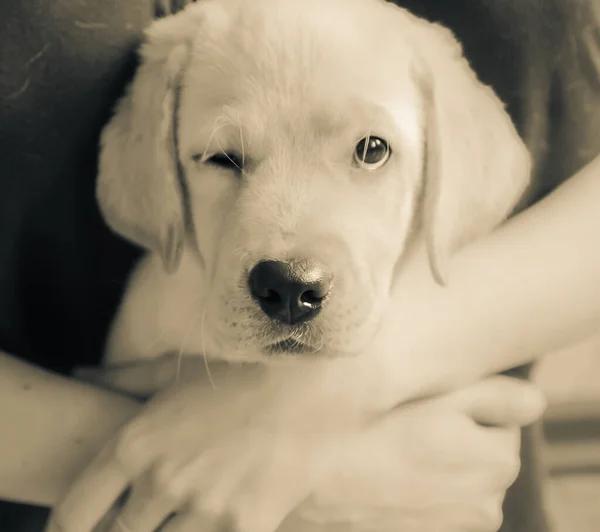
column 291, row 292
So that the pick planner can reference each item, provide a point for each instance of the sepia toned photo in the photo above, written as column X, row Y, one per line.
column 300, row 266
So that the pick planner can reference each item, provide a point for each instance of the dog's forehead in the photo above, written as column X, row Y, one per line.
column 276, row 64
column 286, row 42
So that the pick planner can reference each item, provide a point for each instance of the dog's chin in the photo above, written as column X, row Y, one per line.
column 286, row 350
column 278, row 342
column 290, row 347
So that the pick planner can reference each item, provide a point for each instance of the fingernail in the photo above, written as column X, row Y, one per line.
column 534, row 402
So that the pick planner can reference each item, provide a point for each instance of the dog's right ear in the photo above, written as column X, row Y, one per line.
column 476, row 165
column 138, row 187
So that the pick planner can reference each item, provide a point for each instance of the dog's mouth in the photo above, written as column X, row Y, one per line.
column 290, row 346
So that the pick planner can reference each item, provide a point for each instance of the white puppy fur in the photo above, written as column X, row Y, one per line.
column 290, row 88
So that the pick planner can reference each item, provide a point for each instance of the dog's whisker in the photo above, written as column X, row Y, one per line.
column 149, row 347
column 321, row 342
column 185, row 339
column 366, row 146
column 203, row 340
column 244, row 256
column 232, row 161
column 229, row 157
column 220, row 122
column 243, row 148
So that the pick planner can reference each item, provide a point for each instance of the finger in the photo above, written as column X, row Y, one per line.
column 504, row 401
column 500, row 444
column 91, row 496
column 296, row 523
column 145, row 377
column 487, row 457
column 264, row 501
column 489, row 515
column 256, row 490
column 459, row 443
column 145, row 509
column 438, row 431
column 499, row 454
column 192, row 522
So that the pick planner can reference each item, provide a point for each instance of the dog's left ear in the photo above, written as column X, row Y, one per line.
column 138, row 187
column 476, row 166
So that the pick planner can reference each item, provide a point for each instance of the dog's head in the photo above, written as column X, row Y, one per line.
column 281, row 155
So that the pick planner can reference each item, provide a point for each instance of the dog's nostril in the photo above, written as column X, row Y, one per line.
column 291, row 292
column 311, row 297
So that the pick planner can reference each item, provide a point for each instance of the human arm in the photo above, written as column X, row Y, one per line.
column 62, row 66
column 512, row 296
column 511, row 268
column 523, row 291
column 421, row 467
column 50, row 428
column 378, row 474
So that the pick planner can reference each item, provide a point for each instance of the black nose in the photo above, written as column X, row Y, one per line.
column 291, row 292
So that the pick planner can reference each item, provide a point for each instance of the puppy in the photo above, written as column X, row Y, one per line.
column 279, row 160
column 277, row 165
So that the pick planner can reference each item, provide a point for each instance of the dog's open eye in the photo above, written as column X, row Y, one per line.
column 372, row 153
column 227, row 161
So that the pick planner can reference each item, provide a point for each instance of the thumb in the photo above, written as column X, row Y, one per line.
column 504, row 402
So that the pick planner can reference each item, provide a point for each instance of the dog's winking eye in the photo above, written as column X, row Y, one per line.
column 372, row 153
column 227, row 161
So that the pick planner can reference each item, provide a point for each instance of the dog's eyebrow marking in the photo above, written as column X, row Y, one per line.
column 243, row 148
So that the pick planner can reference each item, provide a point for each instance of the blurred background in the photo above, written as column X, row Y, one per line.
column 571, row 379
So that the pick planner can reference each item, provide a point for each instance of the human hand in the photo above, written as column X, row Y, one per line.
column 144, row 378
column 436, row 465
column 222, row 468
column 153, row 496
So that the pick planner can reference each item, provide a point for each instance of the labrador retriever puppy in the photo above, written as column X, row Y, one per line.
column 279, row 160
column 279, row 165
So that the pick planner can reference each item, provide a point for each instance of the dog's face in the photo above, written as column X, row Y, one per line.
column 292, row 151
column 298, row 147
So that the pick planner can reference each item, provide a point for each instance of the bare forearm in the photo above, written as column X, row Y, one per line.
column 50, row 428
column 529, row 288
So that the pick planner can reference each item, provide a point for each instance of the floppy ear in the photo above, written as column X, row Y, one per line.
column 476, row 166
column 138, row 187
